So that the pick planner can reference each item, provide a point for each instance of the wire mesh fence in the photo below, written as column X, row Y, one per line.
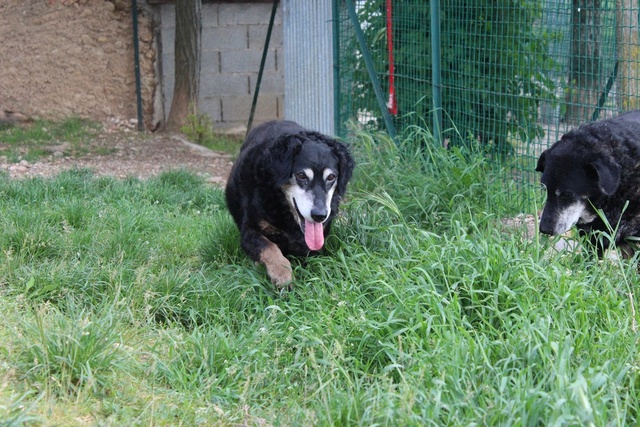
column 511, row 76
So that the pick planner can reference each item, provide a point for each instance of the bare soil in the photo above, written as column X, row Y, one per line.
column 130, row 154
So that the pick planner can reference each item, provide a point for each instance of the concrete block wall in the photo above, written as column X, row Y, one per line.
column 233, row 37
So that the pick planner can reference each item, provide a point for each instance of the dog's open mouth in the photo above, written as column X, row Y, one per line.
column 313, row 231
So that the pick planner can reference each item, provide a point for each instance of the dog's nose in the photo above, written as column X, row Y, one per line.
column 546, row 230
column 546, row 227
column 318, row 216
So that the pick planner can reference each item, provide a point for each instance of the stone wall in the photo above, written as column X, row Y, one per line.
column 64, row 58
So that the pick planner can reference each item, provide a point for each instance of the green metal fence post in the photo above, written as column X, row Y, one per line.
column 371, row 70
column 265, row 51
column 436, row 87
column 136, row 61
column 335, row 12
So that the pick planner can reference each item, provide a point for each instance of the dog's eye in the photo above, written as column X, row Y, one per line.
column 301, row 176
column 565, row 195
column 331, row 178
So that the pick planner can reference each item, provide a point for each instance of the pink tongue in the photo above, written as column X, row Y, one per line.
column 313, row 235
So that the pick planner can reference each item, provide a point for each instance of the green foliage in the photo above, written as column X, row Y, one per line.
column 494, row 61
column 470, row 184
column 14, row 412
column 199, row 129
column 69, row 352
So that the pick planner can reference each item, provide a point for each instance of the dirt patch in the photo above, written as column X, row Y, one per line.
column 130, row 154
column 526, row 224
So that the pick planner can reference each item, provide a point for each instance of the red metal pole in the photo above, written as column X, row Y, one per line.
column 392, row 105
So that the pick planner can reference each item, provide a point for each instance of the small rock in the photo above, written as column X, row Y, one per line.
column 18, row 168
column 215, row 180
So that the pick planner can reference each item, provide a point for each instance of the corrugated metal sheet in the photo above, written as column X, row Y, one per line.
column 308, row 64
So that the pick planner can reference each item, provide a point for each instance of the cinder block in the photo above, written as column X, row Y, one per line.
column 272, row 84
column 209, row 63
column 232, row 128
column 168, row 90
column 168, row 40
column 224, row 85
column 247, row 13
column 267, row 108
column 236, row 108
column 210, row 13
column 279, row 59
column 225, row 38
column 210, row 106
column 258, row 36
column 247, row 61
column 168, row 65
column 168, row 16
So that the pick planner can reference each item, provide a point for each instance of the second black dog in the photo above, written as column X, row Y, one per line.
column 594, row 167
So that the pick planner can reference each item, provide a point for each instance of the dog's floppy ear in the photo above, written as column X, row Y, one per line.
column 277, row 162
column 607, row 174
column 540, row 165
column 346, row 165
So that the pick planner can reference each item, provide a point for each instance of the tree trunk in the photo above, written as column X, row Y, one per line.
column 187, row 62
column 628, row 55
column 584, row 61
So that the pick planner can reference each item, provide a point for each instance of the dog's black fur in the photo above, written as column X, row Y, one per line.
column 279, row 161
column 596, row 166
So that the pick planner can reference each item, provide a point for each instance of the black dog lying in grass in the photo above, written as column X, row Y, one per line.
column 594, row 167
column 283, row 193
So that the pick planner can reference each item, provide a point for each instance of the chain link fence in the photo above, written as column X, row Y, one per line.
column 511, row 76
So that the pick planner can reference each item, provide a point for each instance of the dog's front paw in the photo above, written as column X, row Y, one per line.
column 278, row 267
column 280, row 274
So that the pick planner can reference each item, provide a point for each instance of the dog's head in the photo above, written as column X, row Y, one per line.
column 575, row 182
column 313, row 171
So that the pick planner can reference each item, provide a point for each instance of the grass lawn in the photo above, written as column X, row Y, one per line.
column 32, row 142
column 129, row 302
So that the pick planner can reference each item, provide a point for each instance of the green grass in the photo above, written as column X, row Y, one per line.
column 200, row 130
column 35, row 140
column 130, row 303
column 224, row 143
